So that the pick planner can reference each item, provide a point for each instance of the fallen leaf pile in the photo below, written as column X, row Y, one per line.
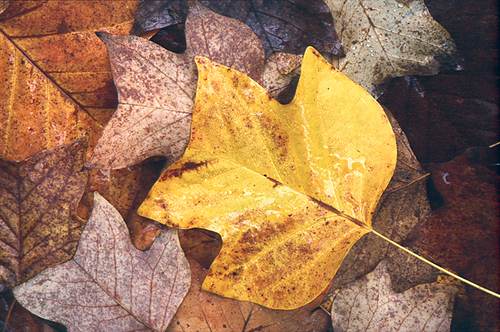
column 203, row 165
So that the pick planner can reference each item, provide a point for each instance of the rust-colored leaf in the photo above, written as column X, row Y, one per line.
column 369, row 304
column 202, row 311
column 38, row 200
column 56, row 71
column 156, row 87
column 109, row 285
column 463, row 233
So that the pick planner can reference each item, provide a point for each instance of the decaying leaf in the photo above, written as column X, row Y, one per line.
column 403, row 206
column 56, row 72
column 156, row 87
column 202, row 311
column 462, row 235
column 157, row 14
column 290, row 188
column 109, row 285
column 38, row 200
column 389, row 38
column 369, row 304
column 285, row 26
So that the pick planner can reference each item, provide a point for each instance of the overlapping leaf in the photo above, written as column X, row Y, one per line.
column 38, row 200
column 283, row 26
column 109, row 285
column 56, row 72
column 403, row 206
column 156, row 87
column 369, row 304
column 278, row 182
column 202, row 311
column 389, row 38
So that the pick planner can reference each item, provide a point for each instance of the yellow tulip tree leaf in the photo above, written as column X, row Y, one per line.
column 290, row 188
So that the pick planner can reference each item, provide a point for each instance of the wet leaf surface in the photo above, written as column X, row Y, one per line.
column 384, row 39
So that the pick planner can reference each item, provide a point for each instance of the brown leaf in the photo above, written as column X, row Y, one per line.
column 462, row 235
column 202, row 311
column 369, row 304
column 156, row 87
column 38, row 200
column 56, row 72
column 283, row 26
column 403, row 206
column 109, row 285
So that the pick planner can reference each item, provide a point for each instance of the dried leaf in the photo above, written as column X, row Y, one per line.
column 56, row 72
column 156, row 87
column 462, row 235
column 260, row 174
column 390, row 38
column 403, row 206
column 202, row 311
column 369, row 304
column 285, row 26
column 38, row 200
column 109, row 285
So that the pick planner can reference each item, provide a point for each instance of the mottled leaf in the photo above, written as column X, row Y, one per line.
column 202, row 311
column 403, row 206
column 285, row 26
column 56, row 72
column 369, row 304
column 156, row 87
column 278, row 182
column 462, row 235
column 38, row 200
column 389, row 38
column 109, row 285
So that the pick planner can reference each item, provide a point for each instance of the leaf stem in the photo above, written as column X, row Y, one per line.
column 425, row 260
